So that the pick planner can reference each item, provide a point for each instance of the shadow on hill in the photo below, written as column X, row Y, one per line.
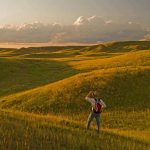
column 41, row 52
column 110, row 49
column 122, row 89
column 19, row 75
column 125, row 46
column 100, row 50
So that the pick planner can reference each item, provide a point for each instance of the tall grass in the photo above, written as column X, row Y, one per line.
column 24, row 131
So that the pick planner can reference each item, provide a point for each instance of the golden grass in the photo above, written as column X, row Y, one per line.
column 25, row 130
column 52, row 82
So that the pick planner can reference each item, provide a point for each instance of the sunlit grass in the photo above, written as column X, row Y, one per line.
column 67, row 96
column 29, row 131
column 43, row 93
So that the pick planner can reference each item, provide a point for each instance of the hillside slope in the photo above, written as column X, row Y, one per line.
column 42, row 95
column 121, row 88
column 24, row 73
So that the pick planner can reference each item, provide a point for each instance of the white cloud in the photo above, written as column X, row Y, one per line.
column 95, row 29
column 87, row 30
column 81, row 21
column 146, row 37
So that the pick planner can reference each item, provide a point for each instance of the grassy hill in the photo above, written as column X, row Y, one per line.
column 55, row 81
column 67, row 96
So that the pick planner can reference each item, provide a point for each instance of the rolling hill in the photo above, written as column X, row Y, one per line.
column 47, row 86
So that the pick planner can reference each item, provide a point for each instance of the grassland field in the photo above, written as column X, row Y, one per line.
column 43, row 89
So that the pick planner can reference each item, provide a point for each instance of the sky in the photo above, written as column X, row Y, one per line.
column 67, row 12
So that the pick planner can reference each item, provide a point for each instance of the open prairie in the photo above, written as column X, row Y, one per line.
column 43, row 89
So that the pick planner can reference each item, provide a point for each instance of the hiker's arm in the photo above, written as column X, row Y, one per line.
column 91, row 100
column 89, row 97
column 103, row 104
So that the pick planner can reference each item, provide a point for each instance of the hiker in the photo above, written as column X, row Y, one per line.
column 97, row 107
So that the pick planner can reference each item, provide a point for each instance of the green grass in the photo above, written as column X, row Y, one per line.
column 24, row 74
column 26, row 131
column 42, row 93
column 67, row 96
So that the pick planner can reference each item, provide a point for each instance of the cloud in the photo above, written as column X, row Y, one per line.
column 83, row 30
column 95, row 29
column 146, row 37
column 81, row 21
column 33, row 32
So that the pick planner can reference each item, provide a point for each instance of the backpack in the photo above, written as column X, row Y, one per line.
column 98, row 107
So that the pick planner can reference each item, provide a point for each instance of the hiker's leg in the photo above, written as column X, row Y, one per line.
column 98, row 121
column 91, row 116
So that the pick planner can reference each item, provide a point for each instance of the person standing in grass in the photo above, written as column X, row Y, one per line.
column 97, row 106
